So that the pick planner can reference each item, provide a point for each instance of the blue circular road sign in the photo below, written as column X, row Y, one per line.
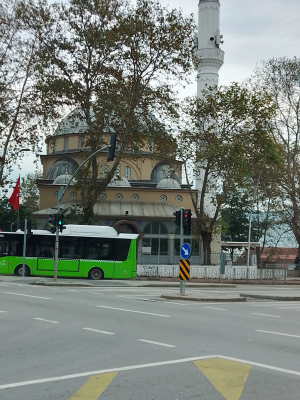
column 185, row 251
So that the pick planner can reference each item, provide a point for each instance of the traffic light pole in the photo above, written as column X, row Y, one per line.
column 60, row 195
column 182, row 283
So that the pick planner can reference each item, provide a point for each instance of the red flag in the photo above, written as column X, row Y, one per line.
column 14, row 198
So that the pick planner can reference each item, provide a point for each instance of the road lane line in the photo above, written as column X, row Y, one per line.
column 266, row 315
column 277, row 333
column 157, row 343
column 27, row 295
column 73, row 290
column 100, row 294
column 96, row 330
column 133, row 311
column 3, row 311
column 94, row 387
column 141, row 366
column 46, row 320
column 215, row 308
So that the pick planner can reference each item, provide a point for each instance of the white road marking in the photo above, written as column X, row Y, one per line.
column 27, row 295
column 100, row 294
column 73, row 290
column 152, row 300
column 275, row 303
column 133, row 311
column 46, row 320
column 140, row 366
column 266, row 315
column 277, row 333
column 3, row 311
column 96, row 330
column 157, row 343
column 215, row 308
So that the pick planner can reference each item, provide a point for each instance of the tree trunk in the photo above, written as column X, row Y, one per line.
column 206, row 240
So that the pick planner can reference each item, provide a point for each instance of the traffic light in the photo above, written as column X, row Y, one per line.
column 177, row 219
column 60, row 222
column 28, row 233
column 187, row 222
column 52, row 223
column 113, row 146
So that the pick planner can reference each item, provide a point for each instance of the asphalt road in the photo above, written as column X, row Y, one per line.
column 127, row 343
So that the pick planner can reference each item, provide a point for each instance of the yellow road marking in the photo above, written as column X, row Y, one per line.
column 94, row 387
column 228, row 377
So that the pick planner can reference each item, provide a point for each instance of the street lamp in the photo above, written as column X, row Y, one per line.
column 60, row 195
column 250, row 222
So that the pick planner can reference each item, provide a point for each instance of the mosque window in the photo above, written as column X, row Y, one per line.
column 127, row 172
column 135, row 197
column 163, row 198
column 102, row 196
column 73, row 195
column 178, row 198
column 119, row 197
column 80, row 142
column 105, row 170
column 155, row 228
column 66, row 143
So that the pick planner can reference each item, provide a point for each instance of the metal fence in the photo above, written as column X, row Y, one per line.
column 209, row 273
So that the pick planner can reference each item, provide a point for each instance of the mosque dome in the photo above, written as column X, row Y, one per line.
column 163, row 170
column 64, row 180
column 168, row 183
column 62, row 167
column 121, row 182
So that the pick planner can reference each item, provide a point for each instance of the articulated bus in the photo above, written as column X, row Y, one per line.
column 94, row 252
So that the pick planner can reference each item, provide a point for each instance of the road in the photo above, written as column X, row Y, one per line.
column 127, row 343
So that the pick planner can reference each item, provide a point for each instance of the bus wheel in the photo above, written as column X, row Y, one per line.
column 96, row 273
column 19, row 270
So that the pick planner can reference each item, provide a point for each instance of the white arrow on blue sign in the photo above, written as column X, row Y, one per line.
column 185, row 251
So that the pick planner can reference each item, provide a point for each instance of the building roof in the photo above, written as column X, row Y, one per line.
column 168, row 183
column 126, row 209
column 64, row 180
column 280, row 253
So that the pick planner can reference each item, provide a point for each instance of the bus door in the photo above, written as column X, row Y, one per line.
column 123, row 261
column 4, row 251
column 70, row 253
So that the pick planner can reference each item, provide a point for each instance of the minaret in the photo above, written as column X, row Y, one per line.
column 207, row 46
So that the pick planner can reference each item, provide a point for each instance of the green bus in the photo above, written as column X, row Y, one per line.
column 85, row 251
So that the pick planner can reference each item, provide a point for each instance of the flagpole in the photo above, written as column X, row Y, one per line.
column 18, row 215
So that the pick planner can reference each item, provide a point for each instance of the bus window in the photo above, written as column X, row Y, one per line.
column 70, row 248
column 4, row 247
column 99, row 249
column 122, row 248
column 45, row 247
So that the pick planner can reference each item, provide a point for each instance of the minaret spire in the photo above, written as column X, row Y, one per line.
column 209, row 41
column 211, row 57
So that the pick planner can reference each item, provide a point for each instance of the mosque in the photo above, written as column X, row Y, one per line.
column 150, row 189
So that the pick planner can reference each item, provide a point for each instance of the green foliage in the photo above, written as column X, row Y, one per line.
column 227, row 138
column 118, row 66
column 29, row 193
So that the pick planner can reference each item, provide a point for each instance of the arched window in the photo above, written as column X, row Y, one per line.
column 127, row 172
column 155, row 228
column 73, row 195
column 105, row 170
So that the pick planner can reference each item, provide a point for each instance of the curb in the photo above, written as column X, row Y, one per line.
column 266, row 297
column 204, row 299
column 176, row 285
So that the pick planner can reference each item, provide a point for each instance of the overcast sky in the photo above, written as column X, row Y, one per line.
column 254, row 30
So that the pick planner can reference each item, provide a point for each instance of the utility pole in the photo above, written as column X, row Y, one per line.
column 111, row 154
